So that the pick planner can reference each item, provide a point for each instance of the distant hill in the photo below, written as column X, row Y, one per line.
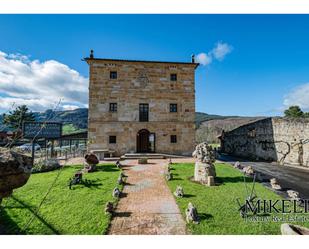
column 77, row 117
column 209, row 126
column 201, row 117
column 73, row 120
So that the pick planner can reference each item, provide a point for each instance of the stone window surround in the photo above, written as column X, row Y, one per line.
column 173, row 107
column 113, row 107
column 143, row 112
column 173, row 139
column 173, row 77
column 113, row 75
column 112, row 139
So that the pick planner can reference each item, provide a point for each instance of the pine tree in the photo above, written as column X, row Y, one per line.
column 16, row 118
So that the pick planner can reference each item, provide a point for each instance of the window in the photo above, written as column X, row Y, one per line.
column 173, row 139
column 113, row 107
column 252, row 133
column 113, row 75
column 143, row 112
column 112, row 139
column 173, row 107
column 173, row 77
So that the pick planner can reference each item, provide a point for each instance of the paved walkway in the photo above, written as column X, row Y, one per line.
column 147, row 205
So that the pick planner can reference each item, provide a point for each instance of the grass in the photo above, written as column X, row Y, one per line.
column 65, row 211
column 217, row 205
column 215, row 145
column 70, row 128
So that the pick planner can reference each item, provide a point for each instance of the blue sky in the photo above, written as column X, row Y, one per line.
column 265, row 69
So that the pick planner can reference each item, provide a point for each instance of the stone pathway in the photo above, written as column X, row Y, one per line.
column 147, row 205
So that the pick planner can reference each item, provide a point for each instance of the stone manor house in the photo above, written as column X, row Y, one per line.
column 141, row 106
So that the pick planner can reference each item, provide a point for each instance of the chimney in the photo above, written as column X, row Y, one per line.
column 193, row 58
column 91, row 54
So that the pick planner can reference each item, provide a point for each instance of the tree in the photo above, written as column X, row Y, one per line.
column 16, row 118
column 294, row 112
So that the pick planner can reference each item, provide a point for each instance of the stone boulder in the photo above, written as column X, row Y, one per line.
column 294, row 195
column 120, row 180
column 179, row 192
column 274, row 184
column 169, row 176
column 289, row 229
column 237, row 165
column 118, row 164
column 15, row 170
column 204, row 152
column 46, row 165
column 109, row 207
column 116, row 192
column 204, row 166
column 248, row 170
column 191, row 214
column 91, row 161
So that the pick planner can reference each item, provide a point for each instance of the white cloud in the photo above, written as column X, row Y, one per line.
column 217, row 53
column 40, row 85
column 203, row 59
column 70, row 107
column 298, row 96
column 221, row 50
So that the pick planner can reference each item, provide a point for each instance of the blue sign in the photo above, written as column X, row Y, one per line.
column 50, row 130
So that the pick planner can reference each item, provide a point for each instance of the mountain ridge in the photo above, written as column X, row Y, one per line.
column 208, row 126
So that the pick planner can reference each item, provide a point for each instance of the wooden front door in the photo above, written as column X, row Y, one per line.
column 143, row 145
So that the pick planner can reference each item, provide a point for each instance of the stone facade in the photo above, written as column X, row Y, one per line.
column 281, row 140
column 141, row 82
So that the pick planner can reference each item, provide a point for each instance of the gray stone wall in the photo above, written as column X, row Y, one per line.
column 281, row 140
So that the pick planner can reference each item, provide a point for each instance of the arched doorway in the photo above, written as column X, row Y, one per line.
column 145, row 141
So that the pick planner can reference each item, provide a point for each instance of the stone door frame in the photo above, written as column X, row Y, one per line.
column 145, row 134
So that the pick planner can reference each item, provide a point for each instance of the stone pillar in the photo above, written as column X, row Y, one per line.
column 204, row 170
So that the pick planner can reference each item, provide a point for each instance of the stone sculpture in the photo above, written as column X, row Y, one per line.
column 169, row 176
column 237, row 165
column 204, row 166
column 46, row 165
column 91, row 161
column 211, row 181
column 294, row 195
column 191, row 214
column 169, row 167
column 179, row 192
column 15, row 170
column 118, row 165
column 274, row 184
column 120, row 180
column 248, row 170
column 289, row 229
column 109, row 208
column 122, row 175
column 116, row 192
column 76, row 179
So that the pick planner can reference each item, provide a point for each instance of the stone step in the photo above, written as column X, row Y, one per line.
column 148, row 155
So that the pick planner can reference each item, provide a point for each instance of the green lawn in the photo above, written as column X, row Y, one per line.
column 65, row 211
column 217, row 206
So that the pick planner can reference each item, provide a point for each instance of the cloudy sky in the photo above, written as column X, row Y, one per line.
column 250, row 64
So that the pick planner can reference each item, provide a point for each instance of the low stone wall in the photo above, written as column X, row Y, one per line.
column 281, row 140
